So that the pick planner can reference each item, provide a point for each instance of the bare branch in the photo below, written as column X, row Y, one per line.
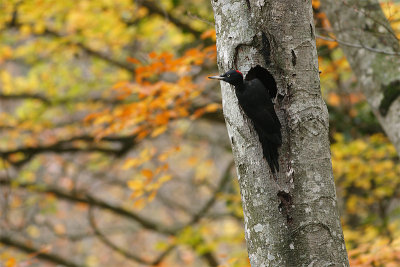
column 92, row 52
column 154, row 9
column 86, row 198
column 64, row 100
column 120, row 250
column 14, row 23
column 126, row 143
column 24, row 96
column 224, row 180
column 40, row 253
column 357, row 45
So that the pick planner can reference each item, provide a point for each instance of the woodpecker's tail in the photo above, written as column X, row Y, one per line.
column 270, row 151
column 272, row 156
column 270, row 144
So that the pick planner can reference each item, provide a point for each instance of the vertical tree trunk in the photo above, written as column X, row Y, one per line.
column 372, row 49
column 291, row 221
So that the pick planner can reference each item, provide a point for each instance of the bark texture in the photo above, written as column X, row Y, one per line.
column 291, row 221
column 372, row 49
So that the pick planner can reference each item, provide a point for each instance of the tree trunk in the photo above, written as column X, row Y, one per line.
column 291, row 221
column 372, row 49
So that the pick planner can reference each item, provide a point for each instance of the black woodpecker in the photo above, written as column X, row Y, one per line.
column 254, row 95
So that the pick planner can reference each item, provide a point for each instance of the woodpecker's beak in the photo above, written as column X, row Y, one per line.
column 216, row 77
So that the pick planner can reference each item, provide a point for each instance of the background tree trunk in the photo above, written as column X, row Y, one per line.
column 372, row 49
column 292, row 221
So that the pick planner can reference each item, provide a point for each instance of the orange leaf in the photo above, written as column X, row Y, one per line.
column 197, row 114
column 119, row 85
column 142, row 135
column 11, row 262
column 212, row 107
column 162, row 118
column 208, row 34
column 133, row 60
column 59, row 229
column 334, row 99
column 153, row 55
column 147, row 173
column 139, row 204
column 316, row 4
column 91, row 117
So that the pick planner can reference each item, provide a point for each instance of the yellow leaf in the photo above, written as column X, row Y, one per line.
column 232, row 260
column 165, row 178
column 33, row 231
column 91, row 260
column 136, row 185
column 25, row 30
column 152, row 196
column 163, row 156
column 159, row 130
column 6, row 52
column 137, row 194
column 129, row 163
column 212, row 107
column 39, row 27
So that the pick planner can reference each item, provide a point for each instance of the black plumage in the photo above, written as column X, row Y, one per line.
column 254, row 94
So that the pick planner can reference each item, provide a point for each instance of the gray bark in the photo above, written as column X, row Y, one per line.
column 291, row 221
column 372, row 49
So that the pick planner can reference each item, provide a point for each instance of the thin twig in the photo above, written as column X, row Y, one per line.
column 391, row 53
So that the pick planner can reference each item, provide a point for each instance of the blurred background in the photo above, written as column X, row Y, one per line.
column 114, row 150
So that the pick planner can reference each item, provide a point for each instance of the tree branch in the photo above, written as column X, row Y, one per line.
column 224, row 180
column 126, row 143
column 92, row 52
column 40, row 254
column 14, row 23
column 154, row 9
column 391, row 53
column 120, row 250
column 86, row 198
column 65, row 100
column 24, row 96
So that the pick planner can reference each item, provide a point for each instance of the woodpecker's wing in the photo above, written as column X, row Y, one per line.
column 258, row 106
column 265, row 77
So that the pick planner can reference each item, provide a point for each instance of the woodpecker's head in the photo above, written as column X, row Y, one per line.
column 233, row 77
